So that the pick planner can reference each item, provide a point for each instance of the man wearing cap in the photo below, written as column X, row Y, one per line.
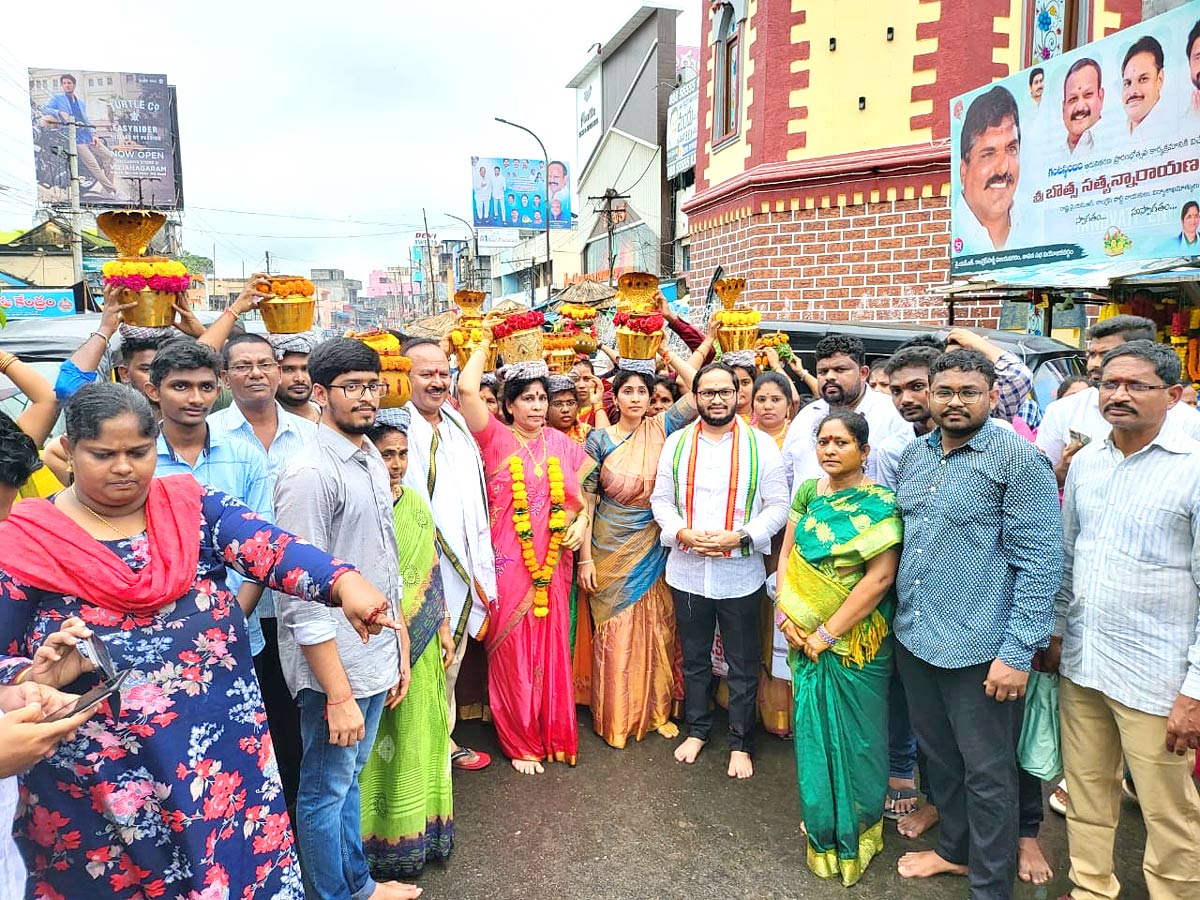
column 295, row 387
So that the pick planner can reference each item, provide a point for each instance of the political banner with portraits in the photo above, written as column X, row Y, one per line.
column 1089, row 156
column 126, row 138
column 507, row 192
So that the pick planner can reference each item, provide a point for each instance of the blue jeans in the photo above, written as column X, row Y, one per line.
column 328, row 832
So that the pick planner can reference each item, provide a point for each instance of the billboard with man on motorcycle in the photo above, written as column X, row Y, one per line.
column 125, row 137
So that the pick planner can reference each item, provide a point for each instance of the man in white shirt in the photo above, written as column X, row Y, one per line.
column 720, row 495
column 842, row 380
column 1083, row 102
column 985, row 216
column 482, row 185
column 1075, row 420
column 499, row 186
column 1142, row 85
column 445, row 470
column 1126, row 639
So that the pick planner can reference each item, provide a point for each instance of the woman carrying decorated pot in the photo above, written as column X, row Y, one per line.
column 533, row 477
column 634, row 677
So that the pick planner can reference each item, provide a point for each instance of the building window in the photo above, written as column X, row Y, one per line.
column 727, row 88
column 1055, row 27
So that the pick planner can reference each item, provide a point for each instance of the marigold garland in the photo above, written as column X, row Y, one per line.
column 543, row 572
column 138, row 275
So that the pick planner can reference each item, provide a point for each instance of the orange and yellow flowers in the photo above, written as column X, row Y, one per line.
column 542, row 572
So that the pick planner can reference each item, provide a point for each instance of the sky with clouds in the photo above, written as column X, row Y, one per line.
column 319, row 131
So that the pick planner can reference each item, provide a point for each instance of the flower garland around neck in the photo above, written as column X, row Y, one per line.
column 543, row 572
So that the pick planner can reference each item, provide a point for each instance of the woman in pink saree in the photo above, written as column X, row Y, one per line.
column 533, row 478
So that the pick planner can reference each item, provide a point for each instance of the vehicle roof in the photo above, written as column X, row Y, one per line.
column 898, row 332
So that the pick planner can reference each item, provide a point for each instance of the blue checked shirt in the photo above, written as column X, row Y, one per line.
column 1014, row 381
column 983, row 555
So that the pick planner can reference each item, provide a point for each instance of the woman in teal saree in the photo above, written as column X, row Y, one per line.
column 834, row 603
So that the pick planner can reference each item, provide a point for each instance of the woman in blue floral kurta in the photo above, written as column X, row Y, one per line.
column 179, row 796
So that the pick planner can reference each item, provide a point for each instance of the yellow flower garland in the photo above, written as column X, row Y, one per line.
column 543, row 572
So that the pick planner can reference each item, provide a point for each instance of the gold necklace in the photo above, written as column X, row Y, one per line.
column 537, row 464
column 99, row 518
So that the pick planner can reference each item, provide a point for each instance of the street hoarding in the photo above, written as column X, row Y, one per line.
column 126, row 137
column 507, row 192
column 29, row 303
column 682, row 111
column 497, row 238
column 1089, row 156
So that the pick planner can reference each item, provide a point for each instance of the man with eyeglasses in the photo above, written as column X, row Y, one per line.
column 842, row 379
column 446, row 470
column 1126, row 637
column 981, row 562
column 1077, row 419
column 719, row 497
column 335, row 492
column 258, row 420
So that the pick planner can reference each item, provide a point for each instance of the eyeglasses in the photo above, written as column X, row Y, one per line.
column 355, row 390
column 969, row 396
column 564, row 404
column 1134, row 387
column 723, row 393
column 242, row 369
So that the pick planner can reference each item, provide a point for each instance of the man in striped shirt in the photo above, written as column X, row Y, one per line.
column 1126, row 637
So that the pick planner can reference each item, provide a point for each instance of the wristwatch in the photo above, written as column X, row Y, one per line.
column 744, row 539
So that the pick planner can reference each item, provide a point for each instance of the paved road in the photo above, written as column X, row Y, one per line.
column 635, row 824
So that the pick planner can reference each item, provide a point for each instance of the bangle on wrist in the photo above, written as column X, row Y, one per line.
column 329, row 702
column 6, row 360
column 232, row 312
column 824, row 635
column 100, row 334
column 586, row 562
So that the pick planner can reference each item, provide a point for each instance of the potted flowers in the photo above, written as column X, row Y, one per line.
column 519, row 337
column 290, row 307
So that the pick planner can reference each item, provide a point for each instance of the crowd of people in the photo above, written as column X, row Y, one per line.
column 288, row 602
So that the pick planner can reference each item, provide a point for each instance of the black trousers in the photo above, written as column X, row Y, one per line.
column 283, row 716
column 970, row 741
column 696, row 618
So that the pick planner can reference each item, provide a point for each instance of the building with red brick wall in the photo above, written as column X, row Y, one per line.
column 823, row 153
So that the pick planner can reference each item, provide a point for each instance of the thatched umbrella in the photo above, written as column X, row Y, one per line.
column 436, row 327
column 588, row 293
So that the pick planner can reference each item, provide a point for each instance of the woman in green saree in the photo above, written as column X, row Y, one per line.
column 834, row 603
column 407, row 803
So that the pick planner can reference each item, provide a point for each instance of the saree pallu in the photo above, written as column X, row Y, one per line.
column 637, row 673
column 407, row 804
column 634, row 682
column 841, row 700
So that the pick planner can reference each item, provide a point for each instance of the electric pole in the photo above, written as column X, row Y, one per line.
column 429, row 253
column 613, row 216
column 76, row 215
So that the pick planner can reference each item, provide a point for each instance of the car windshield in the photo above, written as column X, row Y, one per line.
column 1050, row 375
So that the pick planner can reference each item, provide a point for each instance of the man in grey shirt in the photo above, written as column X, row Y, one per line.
column 335, row 493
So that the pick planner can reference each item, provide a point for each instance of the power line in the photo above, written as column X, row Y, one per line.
column 252, row 212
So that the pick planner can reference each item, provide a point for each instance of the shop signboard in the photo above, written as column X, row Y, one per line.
column 1090, row 156
column 29, row 303
column 682, row 110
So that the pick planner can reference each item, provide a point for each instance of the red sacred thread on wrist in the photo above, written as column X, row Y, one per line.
column 339, row 702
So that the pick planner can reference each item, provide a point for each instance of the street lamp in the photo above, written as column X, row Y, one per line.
column 546, row 205
column 475, row 279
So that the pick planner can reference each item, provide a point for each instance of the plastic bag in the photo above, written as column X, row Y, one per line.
column 1040, row 749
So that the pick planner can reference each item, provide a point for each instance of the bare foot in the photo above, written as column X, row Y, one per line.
column 918, row 822
column 925, row 864
column 669, row 730
column 528, row 766
column 689, row 750
column 740, row 765
column 1031, row 862
column 395, row 890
